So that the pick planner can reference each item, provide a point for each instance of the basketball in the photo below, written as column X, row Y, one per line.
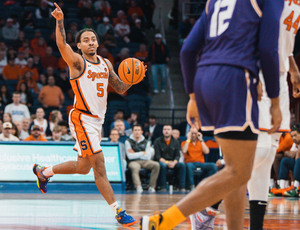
column 131, row 71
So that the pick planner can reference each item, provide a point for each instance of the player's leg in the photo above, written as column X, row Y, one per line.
column 239, row 156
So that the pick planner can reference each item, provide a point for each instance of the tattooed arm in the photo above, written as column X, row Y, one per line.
column 114, row 81
column 70, row 57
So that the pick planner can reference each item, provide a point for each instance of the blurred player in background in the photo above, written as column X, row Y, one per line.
column 90, row 75
column 222, row 85
column 258, row 185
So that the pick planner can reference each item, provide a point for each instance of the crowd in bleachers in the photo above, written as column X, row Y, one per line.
column 31, row 65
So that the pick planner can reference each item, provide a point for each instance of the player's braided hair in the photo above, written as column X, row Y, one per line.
column 78, row 37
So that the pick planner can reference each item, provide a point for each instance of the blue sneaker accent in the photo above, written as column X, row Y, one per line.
column 42, row 181
column 123, row 218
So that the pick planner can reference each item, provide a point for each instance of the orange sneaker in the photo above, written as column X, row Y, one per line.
column 281, row 191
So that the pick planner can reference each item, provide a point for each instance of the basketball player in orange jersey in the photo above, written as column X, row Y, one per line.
column 90, row 75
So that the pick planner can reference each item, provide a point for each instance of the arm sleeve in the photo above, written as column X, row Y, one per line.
column 268, row 45
column 189, row 51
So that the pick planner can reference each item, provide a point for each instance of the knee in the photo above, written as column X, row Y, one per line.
column 238, row 177
column 156, row 165
column 163, row 166
column 84, row 171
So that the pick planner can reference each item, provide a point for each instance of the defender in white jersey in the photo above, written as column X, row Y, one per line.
column 90, row 75
column 258, row 185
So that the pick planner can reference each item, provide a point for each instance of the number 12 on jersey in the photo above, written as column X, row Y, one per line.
column 290, row 23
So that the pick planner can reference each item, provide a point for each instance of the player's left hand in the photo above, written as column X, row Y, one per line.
column 295, row 79
column 192, row 114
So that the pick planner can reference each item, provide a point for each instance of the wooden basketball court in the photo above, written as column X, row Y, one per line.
column 90, row 211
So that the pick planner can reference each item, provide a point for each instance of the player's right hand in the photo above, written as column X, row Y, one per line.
column 192, row 114
column 275, row 115
column 57, row 13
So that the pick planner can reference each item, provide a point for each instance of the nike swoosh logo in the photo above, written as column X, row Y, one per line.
column 262, row 203
column 128, row 70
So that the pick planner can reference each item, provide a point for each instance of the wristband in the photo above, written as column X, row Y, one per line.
column 188, row 141
column 167, row 162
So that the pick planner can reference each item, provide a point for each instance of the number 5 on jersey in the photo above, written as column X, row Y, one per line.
column 100, row 90
column 290, row 23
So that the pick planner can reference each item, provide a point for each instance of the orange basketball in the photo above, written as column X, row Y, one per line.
column 131, row 71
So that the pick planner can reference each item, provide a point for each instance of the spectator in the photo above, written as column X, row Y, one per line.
column 120, row 115
column 118, row 19
column 5, row 95
column 74, row 29
column 11, row 71
column 65, row 135
column 40, row 48
column 103, row 52
column 63, row 82
column 17, row 110
column 35, row 39
column 103, row 7
column 30, row 83
column 184, row 28
column 37, row 63
column 142, row 54
column 7, row 117
column 167, row 153
column 41, row 122
column 54, row 118
column 108, row 39
column 20, row 59
column 194, row 149
column 114, row 138
column 102, row 28
column 16, row 129
column 159, row 57
column 136, row 33
column 43, row 11
column 85, row 9
column 88, row 23
column 154, row 130
column 49, row 59
column 133, row 119
column 124, row 53
column 30, row 67
column 42, row 81
column 26, row 96
column 3, row 61
column 51, row 95
column 139, row 153
column 27, row 20
column 135, row 9
column 6, row 135
column 25, row 128
column 56, row 134
column 123, row 30
column 148, row 9
column 21, row 42
column 35, row 134
column 176, row 135
column 11, row 53
column 50, row 72
column 9, row 31
column 290, row 161
column 62, row 65
column 120, row 126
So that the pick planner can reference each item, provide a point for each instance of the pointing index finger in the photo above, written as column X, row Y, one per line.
column 57, row 6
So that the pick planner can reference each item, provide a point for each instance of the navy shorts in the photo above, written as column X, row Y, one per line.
column 226, row 98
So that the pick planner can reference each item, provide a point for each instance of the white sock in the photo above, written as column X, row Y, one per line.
column 282, row 183
column 114, row 207
column 296, row 184
column 48, row 172
column 272, row 183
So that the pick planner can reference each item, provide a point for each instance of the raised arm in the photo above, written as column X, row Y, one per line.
column 114, row 81
column 70, row 57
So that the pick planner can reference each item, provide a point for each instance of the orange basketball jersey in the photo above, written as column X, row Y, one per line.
column 90, row 88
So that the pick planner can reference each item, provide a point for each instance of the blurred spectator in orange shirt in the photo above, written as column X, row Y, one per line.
column 30, row 67
column 120, row 16
column 134, row 8
column 49, row 59
column 62, row 64
column 103, row 52
column 34, row 41
column 35, row 134
column 11, row 71
column 27, row 79
column 51, row 95
column 40, row 48
column 142, row 54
